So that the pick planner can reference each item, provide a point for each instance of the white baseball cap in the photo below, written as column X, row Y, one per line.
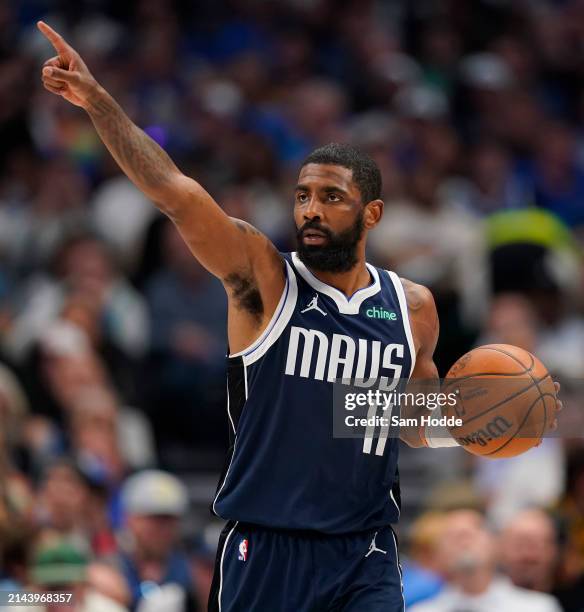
column 154, row 492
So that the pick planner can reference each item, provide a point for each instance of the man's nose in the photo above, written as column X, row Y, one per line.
column 313, row 210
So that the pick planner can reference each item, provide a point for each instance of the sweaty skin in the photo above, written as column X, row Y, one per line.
column 245, row 260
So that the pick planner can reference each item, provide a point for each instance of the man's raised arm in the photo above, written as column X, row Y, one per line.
column 223, row 245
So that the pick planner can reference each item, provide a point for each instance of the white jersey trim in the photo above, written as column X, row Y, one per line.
column 399, row 568
column 221, row 564
column 234, row 442
column 391, row 495
column 349, row 306
column 277, row 323
column 403, row 304
column 229, row 411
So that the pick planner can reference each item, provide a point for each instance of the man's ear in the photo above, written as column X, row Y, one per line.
column 373, row 213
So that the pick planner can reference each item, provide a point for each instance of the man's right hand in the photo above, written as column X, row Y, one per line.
column 246, row 262
column 66, row 74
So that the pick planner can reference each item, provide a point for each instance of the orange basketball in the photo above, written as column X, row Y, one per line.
column 505, row 398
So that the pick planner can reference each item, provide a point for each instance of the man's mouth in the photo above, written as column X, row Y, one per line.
column 314, row 236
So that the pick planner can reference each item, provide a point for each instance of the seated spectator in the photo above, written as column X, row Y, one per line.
column 16, row 499
column 62, row 501
column 125, row 232
column 94, row 435
column 32, row 228
column 466, row 554
column 85, row 268
column 186, row 383
column 513, row 484
column 107, row 590
column 556, row 179
column 15, row 550
column 570, row 513
column 130, row 432
column 62, row 567
column 421, row 577
column 65, row 364
column 151, row 559
column 529, row 550
column 427, row 240
column 490, row 185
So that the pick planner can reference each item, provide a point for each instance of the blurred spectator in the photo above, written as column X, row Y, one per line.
column 129, row 431
column 570, row 513
column 426, row 240
column 151, row 559
column 107, row 590
column 62, row 499
column 188, row 311
column 490, row 184
column 533, row 253
column 59, row 566
column 556, row 181
column 60, row 367
column 533, row 479
column 473, row 112
column 15, row 494
column 430, row 241
column 467, row 555
column 84, row 269
column 421, row 572
column 121, row 215
column 529, row 550
column 15, row 552
column 31, row 231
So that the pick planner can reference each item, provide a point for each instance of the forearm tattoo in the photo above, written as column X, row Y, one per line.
column 145, row 163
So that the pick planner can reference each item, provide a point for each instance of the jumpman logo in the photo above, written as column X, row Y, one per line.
column 373, row 547
column 313, row 305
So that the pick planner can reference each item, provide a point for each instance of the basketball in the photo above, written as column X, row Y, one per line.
column 505, row 398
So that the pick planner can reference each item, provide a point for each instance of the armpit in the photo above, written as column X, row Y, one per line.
column 245, row 292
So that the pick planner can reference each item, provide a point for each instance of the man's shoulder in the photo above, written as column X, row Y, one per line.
column 439, row 603
column 526, row 600
column 519, row 600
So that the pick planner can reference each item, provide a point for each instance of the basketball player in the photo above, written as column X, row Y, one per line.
column 308, row 515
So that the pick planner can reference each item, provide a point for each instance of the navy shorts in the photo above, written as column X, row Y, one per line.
column 264, row 570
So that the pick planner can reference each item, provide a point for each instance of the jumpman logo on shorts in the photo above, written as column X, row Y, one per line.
column 313, row 305
column 373, row 547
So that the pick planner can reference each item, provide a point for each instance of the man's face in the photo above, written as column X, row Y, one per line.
column 529, row 550
column 465, row 544
column 330, row 217
column 154, row 535
column 65, row 496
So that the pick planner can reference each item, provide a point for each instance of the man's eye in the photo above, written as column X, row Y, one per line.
column 333, row 197
column 302, row 197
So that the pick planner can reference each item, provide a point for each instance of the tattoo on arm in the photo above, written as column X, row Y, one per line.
column 415, row 298
column 145, row 163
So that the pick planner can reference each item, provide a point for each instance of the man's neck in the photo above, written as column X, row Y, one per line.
column 475, row 583
column 349, row 282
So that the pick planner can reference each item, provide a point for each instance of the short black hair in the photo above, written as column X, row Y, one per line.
column 366, row 172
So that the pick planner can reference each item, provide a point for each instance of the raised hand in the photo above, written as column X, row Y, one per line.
column 66, row 74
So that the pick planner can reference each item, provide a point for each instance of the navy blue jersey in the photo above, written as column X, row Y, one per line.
column 285, row 469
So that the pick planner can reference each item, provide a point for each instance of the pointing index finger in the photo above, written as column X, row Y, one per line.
column 55, row 39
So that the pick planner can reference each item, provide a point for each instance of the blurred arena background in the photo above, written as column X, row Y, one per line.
column 112, row 338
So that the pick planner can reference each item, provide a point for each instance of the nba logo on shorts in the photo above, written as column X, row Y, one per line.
column 242, row 550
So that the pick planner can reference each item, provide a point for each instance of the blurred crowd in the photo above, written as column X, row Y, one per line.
column 112, row 337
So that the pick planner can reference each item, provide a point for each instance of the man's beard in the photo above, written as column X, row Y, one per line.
column 338, row 254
